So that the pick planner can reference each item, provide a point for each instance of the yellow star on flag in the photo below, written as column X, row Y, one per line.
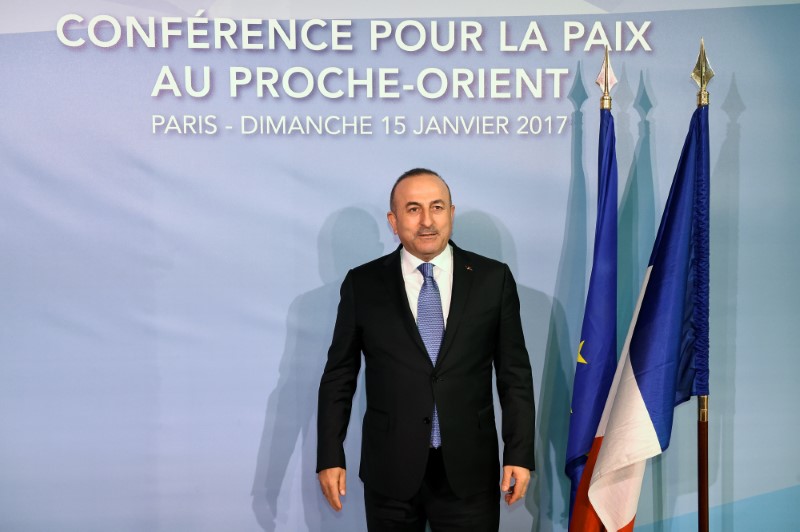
column 581, row 360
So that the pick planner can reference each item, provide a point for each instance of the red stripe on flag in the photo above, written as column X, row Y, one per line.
column 584, row 518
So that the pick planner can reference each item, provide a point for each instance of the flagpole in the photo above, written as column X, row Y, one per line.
column 702, row 74
column 702, row 463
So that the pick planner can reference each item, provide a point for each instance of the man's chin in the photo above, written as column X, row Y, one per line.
column 430, row 250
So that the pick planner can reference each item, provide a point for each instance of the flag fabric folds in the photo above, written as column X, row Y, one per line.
column 597, row 351
column 664, row 360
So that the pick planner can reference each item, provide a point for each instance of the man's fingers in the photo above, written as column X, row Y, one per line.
column 342, row 484
column 522, row 477
column 505, row 485
column 517, row 492
column 333, row 497
column 332, row 482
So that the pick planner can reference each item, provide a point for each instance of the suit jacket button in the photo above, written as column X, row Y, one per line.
column 435, row 378
column 427, row 421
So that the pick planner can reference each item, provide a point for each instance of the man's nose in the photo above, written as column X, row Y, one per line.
column 427, row 219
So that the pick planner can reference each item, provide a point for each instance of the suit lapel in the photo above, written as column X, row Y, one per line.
column 462, row 282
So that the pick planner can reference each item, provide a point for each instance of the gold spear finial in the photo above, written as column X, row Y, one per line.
column 606, row 79
column 702, row 74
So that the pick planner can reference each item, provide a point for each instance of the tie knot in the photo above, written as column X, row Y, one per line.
column 427, row 270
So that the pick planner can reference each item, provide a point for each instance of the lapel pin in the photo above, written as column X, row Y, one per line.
column 468, row 267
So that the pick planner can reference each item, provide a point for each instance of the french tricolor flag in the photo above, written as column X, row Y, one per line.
column 664, row 360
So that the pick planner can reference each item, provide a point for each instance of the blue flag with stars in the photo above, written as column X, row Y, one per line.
column 597, row 351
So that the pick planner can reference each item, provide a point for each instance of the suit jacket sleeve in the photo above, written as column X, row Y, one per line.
column 338, row 383
column 514, row 381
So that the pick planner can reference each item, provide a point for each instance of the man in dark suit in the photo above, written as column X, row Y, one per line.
column 431, row 320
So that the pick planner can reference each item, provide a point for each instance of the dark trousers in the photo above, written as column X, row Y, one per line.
column 434, row 503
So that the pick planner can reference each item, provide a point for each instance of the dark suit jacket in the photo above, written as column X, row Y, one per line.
column 483, row 329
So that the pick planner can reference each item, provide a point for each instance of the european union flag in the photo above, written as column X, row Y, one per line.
column 597, row 355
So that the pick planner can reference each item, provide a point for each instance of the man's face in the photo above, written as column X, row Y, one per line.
column 422, row 215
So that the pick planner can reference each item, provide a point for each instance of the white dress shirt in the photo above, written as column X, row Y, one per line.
column 442, row 273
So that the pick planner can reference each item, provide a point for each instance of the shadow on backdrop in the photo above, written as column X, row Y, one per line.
column 637, row 219
column 725, row 184
column 481, row 233
column 548, row 501
column 623, row 102
column 349, row 237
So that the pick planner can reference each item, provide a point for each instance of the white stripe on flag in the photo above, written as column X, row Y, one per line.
column 629, row 439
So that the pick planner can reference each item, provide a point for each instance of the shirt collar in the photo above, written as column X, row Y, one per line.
column 443, row 260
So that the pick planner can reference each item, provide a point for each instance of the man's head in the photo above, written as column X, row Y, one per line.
column 421, row 212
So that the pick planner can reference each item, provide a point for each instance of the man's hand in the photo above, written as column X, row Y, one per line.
column 521, row 476
column 333, row 484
